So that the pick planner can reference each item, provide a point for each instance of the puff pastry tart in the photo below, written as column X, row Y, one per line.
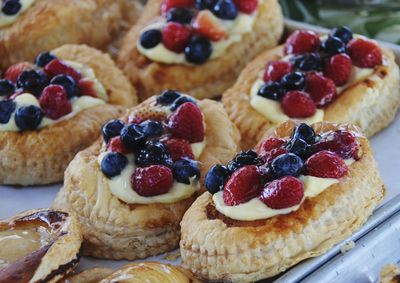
column 338, row 77
column 38, row 246
column 197, row 46
column 52, row 109
column 131, row 189
column 301, row 191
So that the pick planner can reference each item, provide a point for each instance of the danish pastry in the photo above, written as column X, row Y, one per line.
column 131, row 190
column 390, row 274
column 197, row 46
column 52, row 109
column 301, row 191
column 338, row 77
column 38, row 246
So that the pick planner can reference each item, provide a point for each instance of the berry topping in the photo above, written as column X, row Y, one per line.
column 28, row 117
column 198, row 50
column 326, row 164
column 294, row 81
column 153, row 153
column 184, row 170
column 86, row 86
column 206, row 24
column 333, row 45
column 175, row 37
column 168, row 4
column 288, row 164
column 216, row 178
column 304, row 132
column 112, row 129
column 271, row 90
column 275, row 70
column 132, row 136
column 205, row 4
column 341, row 142
column 338, row 69
column 302, row 41
column 187, row 123
column 307, row 62
column 179, row 148
column 150, row 38
column 54, row 102
column 242, row 159
column 270, row 144
column 283, row 193
column 243, row 185
column 152, row 181
column 32, row 81
column 144, row 114
column 268, row 157
column 299, row 147
column 365, row 53
column 183, row 99
column 68, row 83
column 115, row 145
column 225, row 9
column 7, row 107
column 344, row 33
column 298, row 104
column 321, row 89
column 57, row 67
column 167, row 97
column 44, row 58
column 113, row 163
column 151, row 128
column 11, row 7
column 14, row 71
column 179, row 15
column 7, row 88
column 246, row 6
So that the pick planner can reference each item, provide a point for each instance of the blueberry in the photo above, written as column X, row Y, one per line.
column 44, row 58
column 272, row 90
column 113, row 163
column 343, row 32
column 242, row 159
column 167, row 97
column 11, row 7
column 304, row 132
column 184, row 170
column 180, row 101
column 7, row 87
column 216, row 178
column 299, row 147
column 294, row 81
column 28, row 117
column 112, row 129
column 205, row 4
column 287, row 164
column 150, row 38
column 133, row 137
column 153, row 153
column 152, row 128
column 225, row 9
column 7, row 107
column 68, row 83
column 307, row 62
column 333, row 45
column 198, row 50
column 32, row 81
column 180, row 15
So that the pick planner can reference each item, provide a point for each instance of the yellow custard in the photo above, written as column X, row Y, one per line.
column 6, row 20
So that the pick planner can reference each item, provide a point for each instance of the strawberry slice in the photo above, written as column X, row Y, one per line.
column 57, row 67
column 365, row 53
column 343, row 143
column 338, row 69
column 145, row 114
column 15, row 70
column 86, row 86
column 326, row 164
column 178, row 148
column 168, row 4
column 115, row 145
column 298, row 104
column 152, row 181
column 302, row 41
column 275, row 70
column 175, row 37
column 54, row 102
column 270, row 144
column 246, row 6
column 207, row 24
column 321, row 89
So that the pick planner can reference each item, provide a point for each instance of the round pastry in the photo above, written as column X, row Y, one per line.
column 131, row 189
column 300, row 192
column 38, row 246
column 28, row 27
column 197, row 46
column 52, row 109
column 338, row 77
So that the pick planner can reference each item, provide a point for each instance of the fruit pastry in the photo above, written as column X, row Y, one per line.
column 301, row 191
column 38, row 246
column 339, row 77
column 197, row 46
column 390, row 274
column 53, row 108
column 27, row 27
column 131, row 188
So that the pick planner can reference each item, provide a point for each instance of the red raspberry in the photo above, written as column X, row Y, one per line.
column 302, row 41
column 54, row 102
column 152, row 181
column 325, row 164
column 269, row 156
column 343, row 143
column 145, row 114
column 179, row 148
column 275, row 70
column 175, row 37
column 86, row 87
column 168, row 4
column 57, row 67
column 321, row 89
column 15, row 70
column 207, row 25
column 364, row 53
column 338, row 69
column 115, row 145
column 282, row 193
column 270, row 144
column 243, row 185
column 246, row 6
column 187, row 123
column 298, row 104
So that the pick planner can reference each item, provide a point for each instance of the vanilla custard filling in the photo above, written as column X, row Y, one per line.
column 6, row 20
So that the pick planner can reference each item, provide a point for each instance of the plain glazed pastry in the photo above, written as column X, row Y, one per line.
column 28, row 27
column 301, row 191
column 38, row 246
column 130, row 189
column 52, row 109
column 197, row 47
column 338, row 77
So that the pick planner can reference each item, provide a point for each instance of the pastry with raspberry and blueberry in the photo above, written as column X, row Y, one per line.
column 338, row 77
column 197, row 46
column 131, row 188
column 302, row 190
column 52, row 108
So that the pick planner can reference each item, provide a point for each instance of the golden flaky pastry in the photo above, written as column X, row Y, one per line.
column 371, row 103
column 38, row 246
column 201, row 81
column 216, row 247
column 48, row 24
column 41, row 156
column 390, row 274
column 114, row 229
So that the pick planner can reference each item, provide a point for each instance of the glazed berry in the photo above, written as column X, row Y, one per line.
column 275, row 70
column 333, row 45
column 112, row 129
column 269, row 156
column 307, row 62
column 207, row 25
column 133, row 137
column 180, row 15
column 144, row 114
column 326, row 164
column 152, row 181
column 283, row 193
column 86, row 86
column 246, row 6
column 115, row 144
column 225, row 9
column 198, row 50
column 341, row 142
column 343, row 32
column 167, row 97
column 57, row 67
column 183, row 99
column 321, row 89
column 169, row 4
column 365, row 53
column 44, row 58
column 304, row 132
column 68, row 83
column 270, row 144
column 11, row 7
column 175, row 37
column 271, row 90
column 242, row 159
column 298, row 104
column 302, row 41
column 150, row 38
column 288, row 164
column 7, row 87
column 7, row 107
column 299, row 147
column 184, row 170
column 14, row 71
column 216, row 178
column 205, row 4
column 153, row 153
column 178, row 149
column 113, row 163
column 294, row 81
column 152, row 128
column 28, row 117
column 54, row 102
column 32, row 81
column 338, row 69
